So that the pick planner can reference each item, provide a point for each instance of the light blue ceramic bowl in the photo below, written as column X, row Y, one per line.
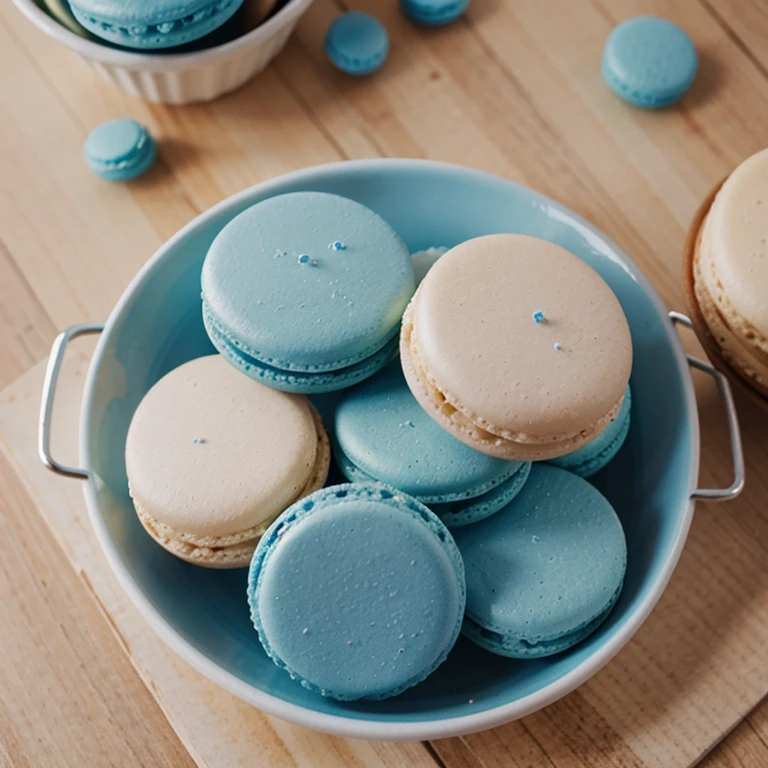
column 203, row 614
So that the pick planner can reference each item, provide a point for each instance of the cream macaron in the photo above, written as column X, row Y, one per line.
column 730, row 270
column 517, row 347
column 213, row 457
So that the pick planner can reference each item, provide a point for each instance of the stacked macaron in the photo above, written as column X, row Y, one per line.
column 514, row 355
column 730, row 271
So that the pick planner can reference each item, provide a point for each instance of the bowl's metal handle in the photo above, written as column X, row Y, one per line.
column 724, row 387
column 49, row 390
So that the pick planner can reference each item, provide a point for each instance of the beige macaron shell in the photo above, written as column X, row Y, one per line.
column 734, row 250
column 212, row 454
column 478, row 343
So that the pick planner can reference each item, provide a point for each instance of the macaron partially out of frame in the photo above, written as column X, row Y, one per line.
column 382, row 433
column 212, row 458
column 517, row 348
column 595, row 455
column 433, row 13
column 357, row 591
column 544, row 572
column 152, row 24
column 119, row 150
column 305, row 292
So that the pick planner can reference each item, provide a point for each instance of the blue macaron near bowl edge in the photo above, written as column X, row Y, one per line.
column 382, row 433
column 287, row 292
column 433, row 13
column 357, row 43
column 357, row 591
column 649, row 62
column 544, row 572
column 596, row 454
column 152, row 24
column 119, row 150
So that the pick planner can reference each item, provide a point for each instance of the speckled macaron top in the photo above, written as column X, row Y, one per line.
column 357, row 591
column 543, row 572
column 213, row 457
column 307, row 282
column 517, row 347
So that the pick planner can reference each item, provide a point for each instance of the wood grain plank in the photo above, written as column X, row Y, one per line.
column 78, row 682
column 745, row 747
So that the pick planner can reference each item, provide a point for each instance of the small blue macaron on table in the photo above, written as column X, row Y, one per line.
column 357, row 43
column 287, row 292
column 332, row 591
column 544, row 572
column 595, row 455
column 433, row 13
column 119, row 150
column 152, row 24
column 382, row 433
column 649, row 62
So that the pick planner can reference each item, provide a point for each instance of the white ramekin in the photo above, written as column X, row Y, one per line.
column 184, row 77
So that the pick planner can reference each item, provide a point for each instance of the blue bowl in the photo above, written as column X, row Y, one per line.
column 203, row 614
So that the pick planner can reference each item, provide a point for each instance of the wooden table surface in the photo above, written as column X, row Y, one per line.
column 514, row 89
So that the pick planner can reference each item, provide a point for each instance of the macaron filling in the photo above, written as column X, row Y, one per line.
column 331, row 598
column 291, row 380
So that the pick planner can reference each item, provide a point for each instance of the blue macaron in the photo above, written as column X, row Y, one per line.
column 382, row 433
column 592, row 457
column 357, row 43
column 649, row 62
column 544, row 572
column 305, row 292
column 357, row 591
column 152, row 24
column 433, row 13
column 119, row 150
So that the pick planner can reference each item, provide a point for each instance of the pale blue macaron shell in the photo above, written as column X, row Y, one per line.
column 433, row 13
column 595, row 455
column 357, row 591
column 119, row 150
column 649, row 62
column 382, row 433
column 544, row 572
column 152, row 24
column 289, row 308
column 357, row 43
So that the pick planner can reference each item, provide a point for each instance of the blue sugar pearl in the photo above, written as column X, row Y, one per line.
column 557, row 346
column 337, row 245
column 538, row 316
column 304, row 258
column 649, row 62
